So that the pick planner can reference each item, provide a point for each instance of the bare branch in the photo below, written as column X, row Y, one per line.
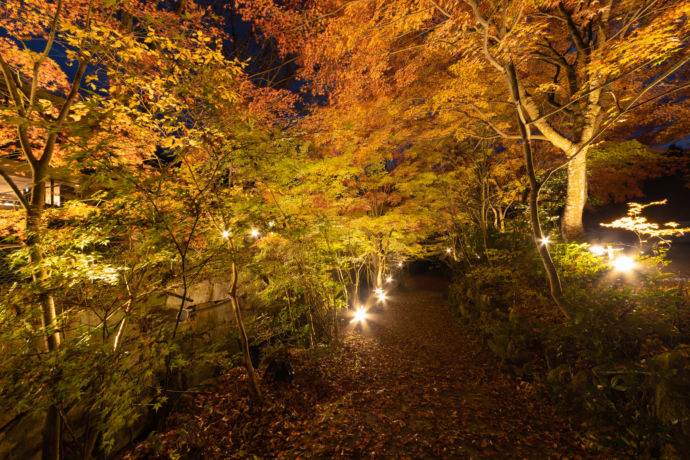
column 11, row 85
column 43, row 56
column 18, row 193
column 71, row 97
column 438, row 7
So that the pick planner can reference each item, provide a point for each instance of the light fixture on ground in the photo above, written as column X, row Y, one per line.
column 382, row 296
column 623, row 264
column 360, row 315
column 597, row 250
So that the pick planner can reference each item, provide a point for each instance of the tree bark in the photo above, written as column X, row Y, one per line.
column 52, row 435
column 379, row 272
column 52, row 430
column 576, row 197
column 254, row 387
column 552, row 274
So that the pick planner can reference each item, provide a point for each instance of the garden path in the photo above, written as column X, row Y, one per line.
column 414, row 383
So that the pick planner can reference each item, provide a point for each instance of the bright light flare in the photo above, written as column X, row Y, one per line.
column 254, row 233
column 448, row 250
column 271, row 224
column 360, row 315
column 389, row 279
column 378, row 291
column 225, row 234
column 382, row 297
column 545, row 240
column 400, row 264
column 597, row 250
column 623, row 264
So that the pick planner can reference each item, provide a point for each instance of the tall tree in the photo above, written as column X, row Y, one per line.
column 569, row 71
column 42, row 113
column 580, row 67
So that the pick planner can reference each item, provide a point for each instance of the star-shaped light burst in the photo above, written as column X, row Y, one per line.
column 360, row 315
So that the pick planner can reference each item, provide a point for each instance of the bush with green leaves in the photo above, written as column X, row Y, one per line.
column 623, row 356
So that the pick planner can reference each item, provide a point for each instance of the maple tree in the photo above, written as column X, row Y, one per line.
column 46, row 116
column 570, row 72
column 415, row 128
column 580, row 69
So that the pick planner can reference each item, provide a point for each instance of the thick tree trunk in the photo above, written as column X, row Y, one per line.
column 251, row 374
column 483, row 215
column 576, row 197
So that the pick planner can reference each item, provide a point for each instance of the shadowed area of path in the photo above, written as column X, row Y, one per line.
column 451, row 394
column 413, row 384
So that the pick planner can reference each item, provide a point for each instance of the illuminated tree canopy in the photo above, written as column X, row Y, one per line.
column 197, row 189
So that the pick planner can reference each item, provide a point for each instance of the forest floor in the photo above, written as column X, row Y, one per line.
column 414, row 383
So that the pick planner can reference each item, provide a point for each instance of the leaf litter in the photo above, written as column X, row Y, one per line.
column 415, row 383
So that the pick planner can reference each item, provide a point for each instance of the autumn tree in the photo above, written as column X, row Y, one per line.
column 581, row 68
column 44, row 113
column 567, row 73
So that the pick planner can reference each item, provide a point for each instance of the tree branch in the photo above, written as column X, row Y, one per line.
column 438, row 7
column 11, row 85
column 628, row 108
column 71, row 97
column 18, row 193
column 43, row 56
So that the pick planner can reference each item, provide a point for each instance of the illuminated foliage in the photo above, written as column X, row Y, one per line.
column 642, row 228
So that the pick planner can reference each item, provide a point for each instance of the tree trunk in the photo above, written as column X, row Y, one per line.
column 551, row 272
column 542, row 248
column 52, row 435
column 52, row 430
column 379, row 273
column 254, row 387
column 483, row 215
column 576, row 197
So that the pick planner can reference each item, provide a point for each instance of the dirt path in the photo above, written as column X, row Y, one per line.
column 450, row 394
column 414, row 384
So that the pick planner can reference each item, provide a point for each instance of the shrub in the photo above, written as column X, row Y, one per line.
column 623, row 357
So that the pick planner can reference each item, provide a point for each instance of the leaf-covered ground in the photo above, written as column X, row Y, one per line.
column 413, row 384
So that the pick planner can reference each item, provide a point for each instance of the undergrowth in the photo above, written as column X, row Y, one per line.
column 623, row 358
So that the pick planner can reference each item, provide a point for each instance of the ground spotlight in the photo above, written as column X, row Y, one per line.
column 597, row 250
column 360, row 315
column 623, row 264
